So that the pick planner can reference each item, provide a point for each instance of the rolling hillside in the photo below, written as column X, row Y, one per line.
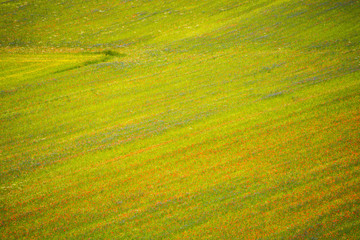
column 145, row 119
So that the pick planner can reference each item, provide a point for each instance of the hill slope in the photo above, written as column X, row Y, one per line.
column 179, row 119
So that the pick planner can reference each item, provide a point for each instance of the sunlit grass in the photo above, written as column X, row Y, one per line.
column 179, row 120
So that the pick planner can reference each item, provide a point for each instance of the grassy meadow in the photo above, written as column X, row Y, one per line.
column 146, row 119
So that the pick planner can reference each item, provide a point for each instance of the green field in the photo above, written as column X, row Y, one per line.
column 149, row 119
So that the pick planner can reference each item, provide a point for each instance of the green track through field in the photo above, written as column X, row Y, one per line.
column 149, row 119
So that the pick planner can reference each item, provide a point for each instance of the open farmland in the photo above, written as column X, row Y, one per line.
column 141, row 119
